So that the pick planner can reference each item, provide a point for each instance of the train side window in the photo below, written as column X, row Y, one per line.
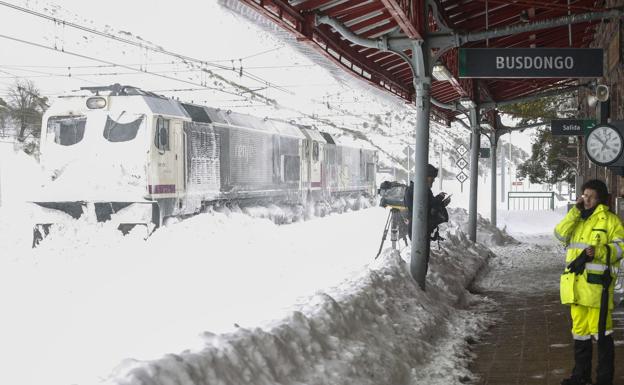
column 315, row 151
column 370, row 172
column 161, row 139
column 292, row 166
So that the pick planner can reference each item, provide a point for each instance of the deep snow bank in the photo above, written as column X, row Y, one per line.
column 486, row 234
column 377, row 327
column 89, row 297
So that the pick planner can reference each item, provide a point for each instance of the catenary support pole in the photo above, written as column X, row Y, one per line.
column 502, row 181
column 420, row 236
column 474, row 173
column 493, row 142
column 440, row 167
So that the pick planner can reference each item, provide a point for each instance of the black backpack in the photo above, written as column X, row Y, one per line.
column 437, row 215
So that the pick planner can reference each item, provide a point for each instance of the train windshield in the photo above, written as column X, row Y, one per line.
column 67, row 130
column 117, row 131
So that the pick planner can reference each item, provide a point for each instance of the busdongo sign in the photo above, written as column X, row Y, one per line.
column 530, row 62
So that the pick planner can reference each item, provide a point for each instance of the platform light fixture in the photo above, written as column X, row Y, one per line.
column 441, row 73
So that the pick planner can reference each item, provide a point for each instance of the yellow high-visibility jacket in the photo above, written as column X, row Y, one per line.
column 602, row 230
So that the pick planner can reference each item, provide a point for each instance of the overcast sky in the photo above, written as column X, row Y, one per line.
column 201, row 30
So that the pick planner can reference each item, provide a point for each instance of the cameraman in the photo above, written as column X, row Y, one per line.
column 436, row 204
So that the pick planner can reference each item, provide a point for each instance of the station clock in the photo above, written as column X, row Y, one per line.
column 604, row 144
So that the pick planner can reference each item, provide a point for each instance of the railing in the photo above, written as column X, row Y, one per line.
column 530, row 200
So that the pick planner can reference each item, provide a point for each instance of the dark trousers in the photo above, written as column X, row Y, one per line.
column 583, row 361
column 606, row 358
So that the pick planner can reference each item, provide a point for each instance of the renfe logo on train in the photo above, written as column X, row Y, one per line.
column 530, row 62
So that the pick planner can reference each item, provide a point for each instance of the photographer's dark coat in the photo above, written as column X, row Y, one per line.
column 437, row 211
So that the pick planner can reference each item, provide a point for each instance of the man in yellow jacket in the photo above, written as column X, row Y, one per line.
column 594, row 239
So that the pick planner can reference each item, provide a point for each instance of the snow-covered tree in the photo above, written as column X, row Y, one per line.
column 26, row 107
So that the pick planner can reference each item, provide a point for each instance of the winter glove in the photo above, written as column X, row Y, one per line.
column 443, row 199
column 578, row 265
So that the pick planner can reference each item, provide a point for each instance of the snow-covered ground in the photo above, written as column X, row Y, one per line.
column 227, row 298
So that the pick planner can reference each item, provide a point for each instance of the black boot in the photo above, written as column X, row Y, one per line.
column 581, row 374
column 606, row 350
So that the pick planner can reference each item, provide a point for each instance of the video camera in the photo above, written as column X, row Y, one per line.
column 392, row 194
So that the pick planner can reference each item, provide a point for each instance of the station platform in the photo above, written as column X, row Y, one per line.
column 531, row 343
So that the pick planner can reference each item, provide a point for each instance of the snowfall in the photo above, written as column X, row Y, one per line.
column 233, row 298
column 230, row 297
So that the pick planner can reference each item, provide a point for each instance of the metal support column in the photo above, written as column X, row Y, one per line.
column 420, row 236
column 502, row 181
column 493, row 143
column 474, row 173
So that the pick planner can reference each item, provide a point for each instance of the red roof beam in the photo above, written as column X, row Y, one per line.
column 397, row 66
column 401, row 17
column 518, row 40
column 404, row 73
column 525, row 89
column 540, row 16
column 376, row 32
column 498, row 19
column 283, row 7
column 466, row 11
column 347, row 14
column 360, row 26
column 310, row 4
column 495, row 15
column 379, row 55
column 387, row 21
column 443, row 91
column 339, row 7
column 342, row 47
column 551, row 5
column 323, row 39
column 389, row 60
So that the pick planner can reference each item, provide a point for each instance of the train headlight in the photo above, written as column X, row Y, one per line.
column 96, row 102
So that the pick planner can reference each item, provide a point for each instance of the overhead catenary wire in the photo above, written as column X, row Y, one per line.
column 16, row 66
column 268, row 101
column 42, row 74
column 155, row 49
column 185, row 59
column 137, row 44
column 109, row 62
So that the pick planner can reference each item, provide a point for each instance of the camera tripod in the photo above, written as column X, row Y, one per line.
column 392, row 223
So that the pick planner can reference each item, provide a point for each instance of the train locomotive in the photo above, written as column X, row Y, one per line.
column 131, row 157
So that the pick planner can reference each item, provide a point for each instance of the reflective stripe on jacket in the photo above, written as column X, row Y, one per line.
column 602, row 230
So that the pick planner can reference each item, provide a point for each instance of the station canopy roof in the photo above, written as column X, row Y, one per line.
column 373, row 18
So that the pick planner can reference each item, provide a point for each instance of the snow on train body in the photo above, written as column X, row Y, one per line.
column 133, row 157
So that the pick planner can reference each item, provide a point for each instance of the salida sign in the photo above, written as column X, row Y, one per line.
column 571, row 126
column 530, row 62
